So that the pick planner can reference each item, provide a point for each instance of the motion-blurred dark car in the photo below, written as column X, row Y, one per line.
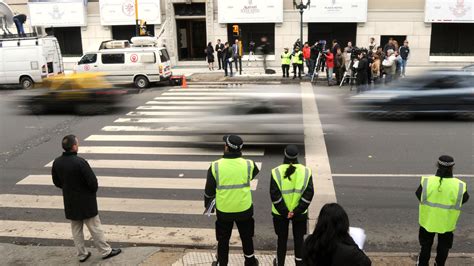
column 468, row 68
column 436, row 92
column 85, row 94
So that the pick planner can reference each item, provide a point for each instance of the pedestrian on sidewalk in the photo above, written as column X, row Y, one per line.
column 339, row 66
column 330, row 65
column 237, row 55
column 219, row 50
column 404, row 53
column 210, row 56
column 291, row 192
column 78, row 182
column 362, row 69
column 297, row 60
column 228, row 185
column 306, row 56
column 285, row 62
column 227, row 60
column 441, row 198
column 330, row 243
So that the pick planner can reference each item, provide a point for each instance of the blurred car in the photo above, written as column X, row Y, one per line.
column 468, row 68
column 84, row 93
column 436, row 92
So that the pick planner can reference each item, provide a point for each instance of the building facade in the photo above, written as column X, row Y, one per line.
column 440, row 32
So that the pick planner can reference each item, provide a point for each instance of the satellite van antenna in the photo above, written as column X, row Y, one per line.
column 6, row 18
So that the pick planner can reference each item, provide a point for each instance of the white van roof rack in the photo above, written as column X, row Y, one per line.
column 114, row 44
column 26, row 36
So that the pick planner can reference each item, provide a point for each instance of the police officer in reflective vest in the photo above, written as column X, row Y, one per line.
column 285, row 63
column 291, row 192
column 297, row 60
column 441, row 198
column 228, row 182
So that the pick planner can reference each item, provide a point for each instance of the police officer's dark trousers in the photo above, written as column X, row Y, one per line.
column 223, row 234
column 286, row 70
column 281, row 225
column 300, row 69
column 445, row 243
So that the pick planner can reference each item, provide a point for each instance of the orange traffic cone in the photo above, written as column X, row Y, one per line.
column 184, row 84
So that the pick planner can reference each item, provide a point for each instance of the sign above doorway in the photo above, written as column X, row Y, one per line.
column 336, row 11
column 250, row 11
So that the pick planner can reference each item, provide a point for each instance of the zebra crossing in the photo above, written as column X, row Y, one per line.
column 147, row 170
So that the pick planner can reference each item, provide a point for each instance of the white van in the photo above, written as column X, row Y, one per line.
column 125, row 63
column 27, row 60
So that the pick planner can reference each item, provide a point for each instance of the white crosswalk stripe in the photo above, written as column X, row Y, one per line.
column 177, row 107
column 134, row 182
column 120, row 156
column 184, row 98
column 196, row 102
column 145, row 164
column 107, row 204
column 116, row 233
column 160, row 150
column 165, row 113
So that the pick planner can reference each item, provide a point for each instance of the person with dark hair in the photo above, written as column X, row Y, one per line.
column 362, row 69
column 227, row 60
column 390, row 45
column 306, row 56
column 237, row 55
column 210, row 56
column 228, row 187
column 291, row 192
column 78, row 182
column 441, row 198
column 335, row 46
column 219, row 50
column 330, row 244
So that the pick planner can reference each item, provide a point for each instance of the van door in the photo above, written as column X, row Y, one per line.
column 113, row 66
column 88, row 63
column 165, row 64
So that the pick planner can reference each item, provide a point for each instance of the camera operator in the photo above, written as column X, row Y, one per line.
column 361, row 68
column 313, row 58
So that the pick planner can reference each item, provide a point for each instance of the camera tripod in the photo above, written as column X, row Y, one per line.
column 349, row 75
column 317, row 66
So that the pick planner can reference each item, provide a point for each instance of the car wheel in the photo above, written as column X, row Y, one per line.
column 37, row 108
column 142, row 82
column 26, row 83
column 465, row 115
column 90, row 109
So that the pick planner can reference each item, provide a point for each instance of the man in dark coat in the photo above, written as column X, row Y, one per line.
column 219, row 50
column 78, row 182
column 362, row 68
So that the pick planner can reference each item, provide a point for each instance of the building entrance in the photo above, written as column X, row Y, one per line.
column 342, row 32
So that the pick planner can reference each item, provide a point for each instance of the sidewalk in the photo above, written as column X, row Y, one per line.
column 255, row 74
column 150, row 256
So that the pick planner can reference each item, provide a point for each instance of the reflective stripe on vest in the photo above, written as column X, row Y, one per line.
column 233, row 178
column 223, row 187
column 440, row 204
column 424, row 199
column 298, row 184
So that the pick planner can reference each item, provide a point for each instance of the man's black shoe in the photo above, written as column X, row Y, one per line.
column 113, row 253
column 86, row 257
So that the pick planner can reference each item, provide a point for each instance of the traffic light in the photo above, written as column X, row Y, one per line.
column 235, row 30
column 143, row 28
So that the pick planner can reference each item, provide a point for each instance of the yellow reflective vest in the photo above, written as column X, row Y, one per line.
column 285, row 58
column 233, row 176
column 440, row 203
column 297, row 58
column 291, row 190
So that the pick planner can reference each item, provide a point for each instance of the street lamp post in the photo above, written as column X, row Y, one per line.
column 301, row 7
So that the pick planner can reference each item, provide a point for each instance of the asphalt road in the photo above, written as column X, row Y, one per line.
column 361, row 152
column 376, row 167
